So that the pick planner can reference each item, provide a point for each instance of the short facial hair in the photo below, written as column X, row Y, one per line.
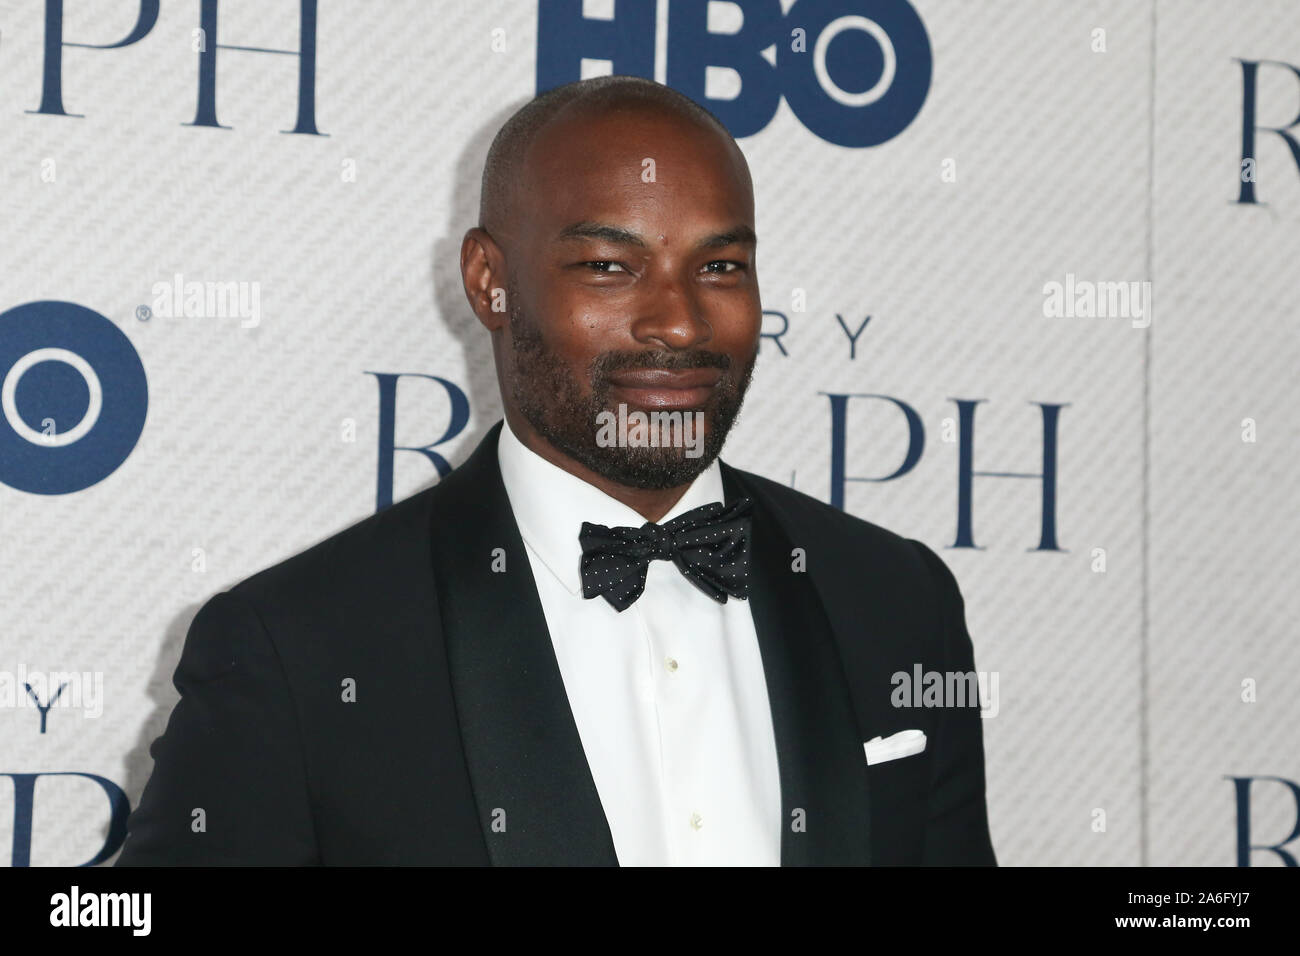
column 553, row 402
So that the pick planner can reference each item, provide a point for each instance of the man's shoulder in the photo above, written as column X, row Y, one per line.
column 386, row 556
column 803, row 515
column 373, row 555
column 843, row 551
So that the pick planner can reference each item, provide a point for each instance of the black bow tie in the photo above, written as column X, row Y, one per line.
column 709, row 545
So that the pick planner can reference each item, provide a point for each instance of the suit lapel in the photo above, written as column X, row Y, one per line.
column 819, row 748
column 537, row 802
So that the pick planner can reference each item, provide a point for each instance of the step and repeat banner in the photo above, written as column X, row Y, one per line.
column 1028, row 272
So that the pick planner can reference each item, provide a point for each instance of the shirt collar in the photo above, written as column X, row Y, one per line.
column 550, row 505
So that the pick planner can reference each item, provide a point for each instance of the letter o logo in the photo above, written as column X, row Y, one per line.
column 885, row 50
column 73, row 397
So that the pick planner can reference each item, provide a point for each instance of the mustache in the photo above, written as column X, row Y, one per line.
column 607, row 362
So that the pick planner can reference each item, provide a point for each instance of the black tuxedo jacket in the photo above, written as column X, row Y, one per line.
column 457, row 721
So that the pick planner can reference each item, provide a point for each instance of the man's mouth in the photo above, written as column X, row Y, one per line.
column 665, row 387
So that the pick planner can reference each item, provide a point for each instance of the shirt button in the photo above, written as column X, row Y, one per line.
column 670, row 663
column 697, row 821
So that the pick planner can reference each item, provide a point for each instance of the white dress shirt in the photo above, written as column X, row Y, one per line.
column 669, row 696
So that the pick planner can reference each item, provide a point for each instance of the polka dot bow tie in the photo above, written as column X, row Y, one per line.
column 709, row 545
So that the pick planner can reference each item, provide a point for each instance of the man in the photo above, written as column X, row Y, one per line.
column 588, row 644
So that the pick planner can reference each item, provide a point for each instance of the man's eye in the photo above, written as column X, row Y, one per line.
column 605, row 265
column 735, row 266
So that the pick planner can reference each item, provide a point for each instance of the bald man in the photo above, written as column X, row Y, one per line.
column 593, row 643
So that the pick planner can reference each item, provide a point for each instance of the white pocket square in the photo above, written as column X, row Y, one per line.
column 902, row 744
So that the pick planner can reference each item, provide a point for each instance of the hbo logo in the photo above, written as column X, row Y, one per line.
column 855, row 72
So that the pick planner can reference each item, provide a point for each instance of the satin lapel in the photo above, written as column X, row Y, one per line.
column 537, row 802
column 819, row 747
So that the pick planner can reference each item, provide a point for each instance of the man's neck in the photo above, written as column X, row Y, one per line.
column 651, row 503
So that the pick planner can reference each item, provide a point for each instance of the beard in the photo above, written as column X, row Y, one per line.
column 561, row 411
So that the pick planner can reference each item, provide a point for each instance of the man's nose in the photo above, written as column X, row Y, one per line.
column 672, row 315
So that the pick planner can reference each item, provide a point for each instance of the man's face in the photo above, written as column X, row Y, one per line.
column 632, row 283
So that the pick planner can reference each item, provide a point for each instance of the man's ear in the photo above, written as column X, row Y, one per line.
column 483, row 273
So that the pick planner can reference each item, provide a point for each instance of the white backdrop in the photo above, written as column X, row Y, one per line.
column 1044, row 149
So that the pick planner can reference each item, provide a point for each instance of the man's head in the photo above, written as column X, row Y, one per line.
column 614, row 265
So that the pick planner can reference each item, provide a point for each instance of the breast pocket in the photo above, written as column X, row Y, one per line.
column 899, row 794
